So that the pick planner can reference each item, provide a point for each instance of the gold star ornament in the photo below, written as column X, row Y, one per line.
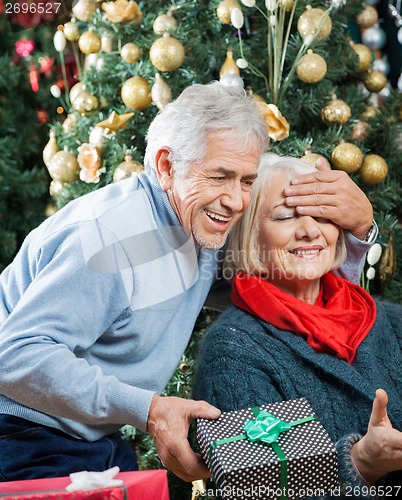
column 115, row 121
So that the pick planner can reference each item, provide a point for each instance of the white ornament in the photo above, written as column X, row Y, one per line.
column 100, row 63
column 55, row 91
column 59, row 41
column 270, row 5
column 236, row 18
column 338, row 3
column 97, row 136
column 248, row 3
column 90, row 61
column 241, row 63
column 370, row 273
column 272, row 20
column 374, row 254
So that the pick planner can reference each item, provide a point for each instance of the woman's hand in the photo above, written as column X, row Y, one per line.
column 380, row 450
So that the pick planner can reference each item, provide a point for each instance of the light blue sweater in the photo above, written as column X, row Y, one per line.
column 97, row 309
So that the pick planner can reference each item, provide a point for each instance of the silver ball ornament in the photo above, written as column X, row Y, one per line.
column 399, row 35
column 374, row 38
column 231, row 80
column 382, row 65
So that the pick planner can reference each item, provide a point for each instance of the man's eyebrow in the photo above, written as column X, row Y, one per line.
column 228, row 172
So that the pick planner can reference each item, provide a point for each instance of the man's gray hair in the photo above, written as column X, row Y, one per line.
column 243, row 252
column 183, row 125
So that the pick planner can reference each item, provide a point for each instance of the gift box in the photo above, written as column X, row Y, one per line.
column 277, row 451
column 139, row 485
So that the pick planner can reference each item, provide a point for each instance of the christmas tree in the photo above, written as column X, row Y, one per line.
column 26, row 72
column 309, row 63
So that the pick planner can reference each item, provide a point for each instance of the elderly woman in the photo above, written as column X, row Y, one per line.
column 297, row 329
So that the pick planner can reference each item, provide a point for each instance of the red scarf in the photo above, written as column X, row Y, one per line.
column 337, row 323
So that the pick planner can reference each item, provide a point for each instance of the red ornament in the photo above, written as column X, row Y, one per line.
column 42, row 115
column 24, row 48
column 46, row 65
column 34, row 77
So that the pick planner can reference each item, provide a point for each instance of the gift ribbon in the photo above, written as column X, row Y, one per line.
column 266, row 429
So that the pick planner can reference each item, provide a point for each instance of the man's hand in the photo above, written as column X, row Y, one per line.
column 380, row 450
column 168, row 423
column 333, row 195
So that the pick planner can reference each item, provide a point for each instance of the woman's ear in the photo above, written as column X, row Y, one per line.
column 164, row 168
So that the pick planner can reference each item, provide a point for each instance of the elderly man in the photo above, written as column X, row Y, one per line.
column 99, row 304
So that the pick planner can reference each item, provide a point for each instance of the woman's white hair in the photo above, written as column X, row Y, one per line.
column 243, row 253
column 183, row 125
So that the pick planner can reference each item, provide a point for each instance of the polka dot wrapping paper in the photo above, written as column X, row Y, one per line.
column 302, row 461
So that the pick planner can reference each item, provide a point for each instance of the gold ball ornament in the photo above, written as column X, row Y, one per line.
column 286, row 5
column 364, row 54
column 83, row 10
column 50, row 209
column 165, row 23
column 107, row 42
column 375, row 81
column 312, row 68
column 69, row 122
column 336, row 112
column 76, row 90
column 167, row 53
column 130, row 53
column 308, row 24
column 374, row 170
column 224, row 10
column 359, row 130
column 369, row 113
column 310, row 157
column 122, row 11
column 63, row 167
column 127, row 168
column 50, row 149
column 136, row 93
column 55, row 187
column 85, row 103
column 161, row 93
column 89, row 42
column 347, row 157
column 71, row 31
column 367, row 17
column 229, row 67
column 388, row 262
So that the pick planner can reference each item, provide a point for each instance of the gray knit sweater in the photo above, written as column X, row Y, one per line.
column 246, row 362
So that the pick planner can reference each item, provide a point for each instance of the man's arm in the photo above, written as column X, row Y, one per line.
column 169, row 420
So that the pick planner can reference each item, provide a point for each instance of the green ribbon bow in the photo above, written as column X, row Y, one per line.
column 266, row 429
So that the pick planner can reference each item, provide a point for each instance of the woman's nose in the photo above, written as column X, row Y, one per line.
column 308, row 228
